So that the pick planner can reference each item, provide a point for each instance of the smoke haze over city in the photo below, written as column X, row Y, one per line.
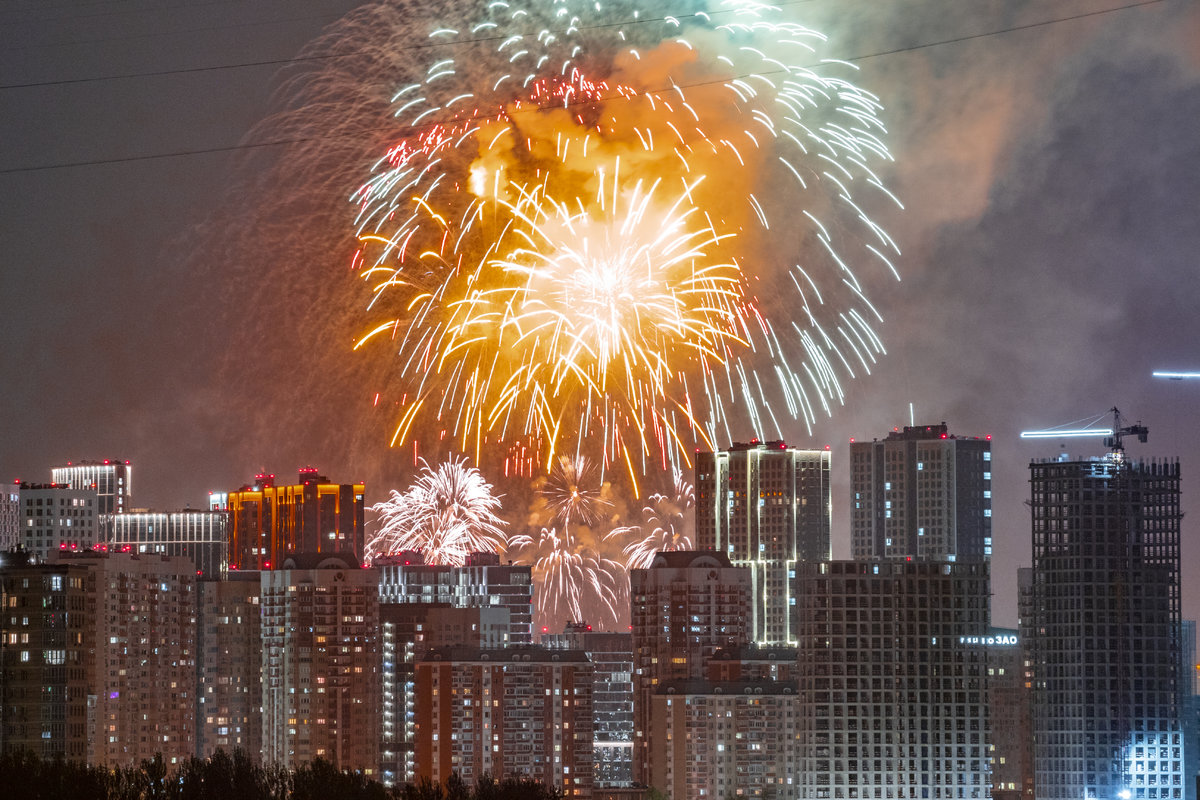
column 165, row 299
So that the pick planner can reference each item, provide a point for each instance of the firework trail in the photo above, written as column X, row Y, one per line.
column 576, row 573
column 574, row 581
column 668, row 523
column 581, row 233
column 448, row 513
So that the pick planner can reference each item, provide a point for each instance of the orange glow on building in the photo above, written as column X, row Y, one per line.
column 268, row 522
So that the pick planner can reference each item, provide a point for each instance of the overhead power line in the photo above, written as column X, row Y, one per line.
column 278, row 62
column 410, row 129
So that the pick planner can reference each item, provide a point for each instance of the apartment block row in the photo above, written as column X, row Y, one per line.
column 755, row 665
column 254, row 527
column 111, row 657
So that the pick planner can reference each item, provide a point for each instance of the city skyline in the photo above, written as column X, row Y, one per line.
column 889, row 685
column 1044, row 166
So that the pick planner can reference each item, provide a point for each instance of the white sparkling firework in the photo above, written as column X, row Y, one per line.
column 576, row 568
column 574, row 581
column 573, row 494
column 448, row 513
column 667, row 523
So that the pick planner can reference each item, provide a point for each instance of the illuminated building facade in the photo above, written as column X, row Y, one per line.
column 1190, row 710
column 684, row 607
column 719, row 739
column 146, row 657
column 267, row 523
column 1105, row 610
column 229, row 665
column 767, row 507
column 55, row 517
column 321, row 663
column 1010, row 712
column 199, row 536
column 893, row 679
column 921, row 493
column 523, row 710
column 482, row 604
column 111, row 480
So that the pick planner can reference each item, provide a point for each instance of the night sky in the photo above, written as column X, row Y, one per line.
column 1047, row 155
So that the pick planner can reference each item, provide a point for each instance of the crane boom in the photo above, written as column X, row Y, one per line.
column 1113, row 436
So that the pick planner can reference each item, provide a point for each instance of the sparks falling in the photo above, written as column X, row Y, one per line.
column 598, row 231
column 668, row 523
column 576, row 566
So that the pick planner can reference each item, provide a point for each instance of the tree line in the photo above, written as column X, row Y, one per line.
column 224, row 776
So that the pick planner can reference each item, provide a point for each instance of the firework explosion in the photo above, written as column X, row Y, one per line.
column 573, row 494
column 576, row 575
column 448, row 513
column 574, row 581
column 667, row 524
column 578, row 238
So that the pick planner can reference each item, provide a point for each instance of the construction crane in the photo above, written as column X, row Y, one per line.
column 1113, row 436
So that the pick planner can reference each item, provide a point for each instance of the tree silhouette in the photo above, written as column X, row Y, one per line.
column 23, row 776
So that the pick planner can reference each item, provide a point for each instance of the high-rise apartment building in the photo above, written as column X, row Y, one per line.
column 199, row 536
column 98, row 652
column 10, row 516
column 1010, row 713
column 1106, row 633
column 718, row 739
column 267, row 523
column 483, row 604
column 321, row 663
column 47, row 631
column 481, row 582
column 409, row 630
column 111, row 480
column 892, row 681
column 611, row 655
column 684, row 607
column 765, row 506
column 921, row 493
column 55, row 517
column 146, row 657
column 523, row 710
column 229, row 665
